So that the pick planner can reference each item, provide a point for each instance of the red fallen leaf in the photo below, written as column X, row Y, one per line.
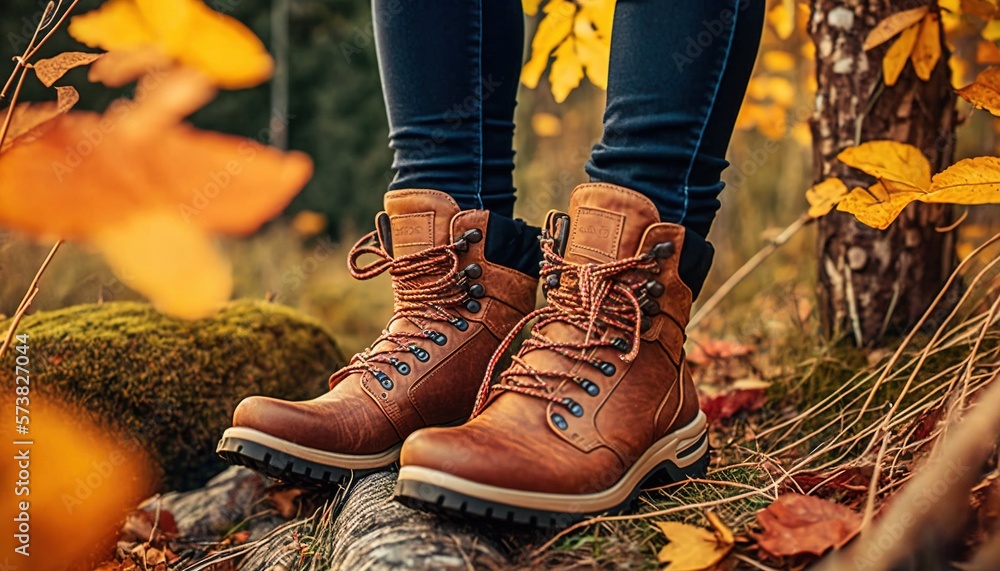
column 715, row 350
column 855, row 478
column 796, row 524
column 744, row 395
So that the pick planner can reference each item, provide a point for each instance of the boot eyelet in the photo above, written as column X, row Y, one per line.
column 459, row 323
column 552, row 281
column 474, row 235
column 605, row 367
column 473, row 271
column 439, row 339
column 621, row 344
column 650, row 307
column 384, row 380
column 403, row 368
column 654, row 288
column 419, row 353
column 663, row 250
column 573, row 407
column 385, row 395
column 645, row 324
column 591, row 387
column 559, row 421
column 473, row 306
column 477, row 291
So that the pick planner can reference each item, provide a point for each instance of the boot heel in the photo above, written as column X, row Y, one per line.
column 669, row 472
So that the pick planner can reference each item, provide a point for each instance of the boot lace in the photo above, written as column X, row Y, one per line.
column 592, row 298
column 425, row 286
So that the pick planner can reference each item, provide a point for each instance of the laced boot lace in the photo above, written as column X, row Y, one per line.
column 592, row 298
column 427, row 286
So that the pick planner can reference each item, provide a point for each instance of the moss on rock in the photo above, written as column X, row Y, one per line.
column 172, row 385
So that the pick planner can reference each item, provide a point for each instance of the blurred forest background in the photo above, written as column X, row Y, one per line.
column 325, row 99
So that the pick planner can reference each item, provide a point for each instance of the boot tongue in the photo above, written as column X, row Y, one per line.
column 607, row 223
column 418, row 219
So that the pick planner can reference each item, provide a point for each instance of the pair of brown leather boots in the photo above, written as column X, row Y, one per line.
column 595, row 404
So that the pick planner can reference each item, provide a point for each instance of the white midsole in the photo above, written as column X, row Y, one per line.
column 664, row 449
column 345, row 461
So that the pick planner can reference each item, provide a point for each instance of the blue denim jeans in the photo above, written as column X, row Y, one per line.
column 678, row 74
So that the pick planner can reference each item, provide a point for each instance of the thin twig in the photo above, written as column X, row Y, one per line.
column 28, row 298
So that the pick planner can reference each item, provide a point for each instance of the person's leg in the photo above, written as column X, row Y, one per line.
column 598, row 399
column 450, row 71
column 463, row 272
column 677, row 77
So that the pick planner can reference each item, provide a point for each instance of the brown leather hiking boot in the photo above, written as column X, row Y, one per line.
column 452, row 308
column 597, row 401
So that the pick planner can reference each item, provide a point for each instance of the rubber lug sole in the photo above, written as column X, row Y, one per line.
column 429, row 497
column 286, row 467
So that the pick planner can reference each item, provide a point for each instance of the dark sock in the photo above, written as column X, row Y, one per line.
column 513, row 243
column 696, row 260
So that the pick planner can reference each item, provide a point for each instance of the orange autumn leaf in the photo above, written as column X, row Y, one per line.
column 30, row 119
column 83, row 480
column 120, row 67
column 148, row 192
column 927, row 52
column 895, row 59
column 984, row 92
column 877, row 206
column 185, row 30
column 894, row 24
column 51, row 70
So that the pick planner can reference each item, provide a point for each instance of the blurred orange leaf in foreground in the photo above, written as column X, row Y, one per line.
column 186, row 30
column 78, row 483
column 148, row 191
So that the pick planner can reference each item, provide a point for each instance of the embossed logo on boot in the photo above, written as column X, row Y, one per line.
column 596, row 234
column 412, row 232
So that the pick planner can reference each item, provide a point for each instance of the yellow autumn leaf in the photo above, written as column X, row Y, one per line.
column 601, row 13
column 155, row 252
column 927, row 52
column 969, row 181
column 877, row 206
column 778, row 61
column 781, row 91
column 824, row 196
column 546, row 125
column 895, row 59
column 593, row 50
column 552, row 30
column 186, row 30
column 984, row 92
column 782, row 19
column 692, row 548
column 894, row 24
column 992, row 31
column 530, row 6
column 899, row 164
column 567, row 70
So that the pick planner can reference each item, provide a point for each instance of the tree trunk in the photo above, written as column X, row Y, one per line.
column 871, row 281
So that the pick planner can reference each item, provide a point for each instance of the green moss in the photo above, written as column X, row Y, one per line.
column 172, row 385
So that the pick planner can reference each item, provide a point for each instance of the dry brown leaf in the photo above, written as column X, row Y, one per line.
column 52, row 69
column 969, row 181
column 744, row 395
column 796, row 524
column 285, row 501
column 894, row 24
column 895, row 59
column 984, row 92
column 692, row 548
column 927, row 52
column 29, row 120
column 825, row 195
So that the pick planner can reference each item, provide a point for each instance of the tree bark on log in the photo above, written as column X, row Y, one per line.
column 872, row 282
